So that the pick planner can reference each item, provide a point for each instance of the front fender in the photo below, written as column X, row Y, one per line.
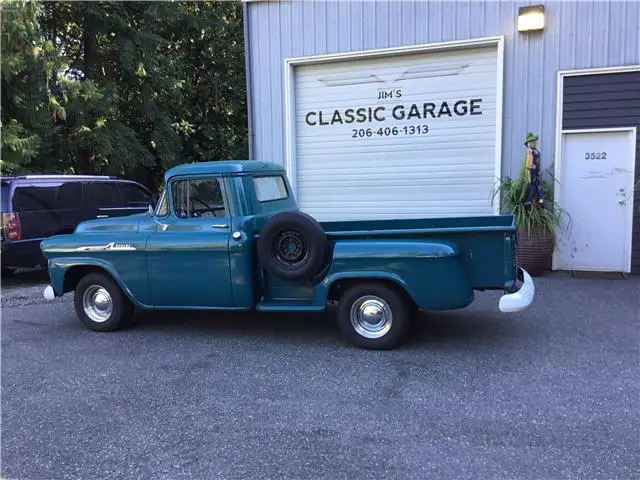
column 123, row 256
column 134, row 289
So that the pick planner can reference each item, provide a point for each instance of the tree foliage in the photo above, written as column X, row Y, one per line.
column 126, row 88
column 27, row 62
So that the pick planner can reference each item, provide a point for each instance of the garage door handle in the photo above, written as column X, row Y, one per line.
column 621, row 202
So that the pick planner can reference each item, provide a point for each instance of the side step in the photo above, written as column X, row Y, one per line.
column 293, row 305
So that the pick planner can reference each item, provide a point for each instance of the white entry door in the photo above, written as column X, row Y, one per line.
column 596, row 190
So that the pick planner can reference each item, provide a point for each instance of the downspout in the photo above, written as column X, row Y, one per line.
column 247, row 69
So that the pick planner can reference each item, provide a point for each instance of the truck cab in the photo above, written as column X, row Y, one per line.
column 230, row 236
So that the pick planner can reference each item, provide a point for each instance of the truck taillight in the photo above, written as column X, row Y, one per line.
column 11, row 223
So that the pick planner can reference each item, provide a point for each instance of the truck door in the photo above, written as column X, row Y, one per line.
column 188, row 255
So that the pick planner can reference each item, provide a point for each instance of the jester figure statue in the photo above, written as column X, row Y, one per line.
column 533, row 168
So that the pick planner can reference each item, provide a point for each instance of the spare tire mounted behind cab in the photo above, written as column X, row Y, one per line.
column 293, row 246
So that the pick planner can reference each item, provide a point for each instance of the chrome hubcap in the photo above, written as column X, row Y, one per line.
column 371, row 316
column 97, row 303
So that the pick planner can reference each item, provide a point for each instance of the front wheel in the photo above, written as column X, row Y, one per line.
column 100, row 304
column 374, row 316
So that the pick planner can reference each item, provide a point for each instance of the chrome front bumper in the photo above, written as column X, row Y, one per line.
column 514, row 302
column 49, row 294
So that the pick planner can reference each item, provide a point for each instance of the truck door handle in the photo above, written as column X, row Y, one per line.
column 220, row 225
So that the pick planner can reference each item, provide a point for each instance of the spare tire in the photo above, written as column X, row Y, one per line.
column 293, row 246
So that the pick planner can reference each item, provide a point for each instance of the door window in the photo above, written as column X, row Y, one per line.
column 198, row 198
column 105, row 194
column 134, row 196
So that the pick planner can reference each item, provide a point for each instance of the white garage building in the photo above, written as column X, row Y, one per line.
column 399, row 109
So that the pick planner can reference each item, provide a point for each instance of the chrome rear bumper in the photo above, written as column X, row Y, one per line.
column 516, row 301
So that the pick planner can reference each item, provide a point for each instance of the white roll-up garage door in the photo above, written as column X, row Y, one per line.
column 402, row 136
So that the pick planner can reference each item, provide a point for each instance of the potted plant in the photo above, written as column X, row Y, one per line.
column 537, row 223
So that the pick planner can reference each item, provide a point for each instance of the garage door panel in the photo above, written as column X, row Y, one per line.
column 436, row 140
column 436, row 62
column 370, row 160
column 437, row 92
column 477, row 175
column 463, row 197
column 433, row 154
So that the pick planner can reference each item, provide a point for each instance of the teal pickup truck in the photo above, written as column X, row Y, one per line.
column 229, row 236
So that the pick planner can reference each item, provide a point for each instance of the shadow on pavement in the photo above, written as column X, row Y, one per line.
column 26, row 277
column 461, row 326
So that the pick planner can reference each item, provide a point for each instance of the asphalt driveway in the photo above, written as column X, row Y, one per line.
column 549, row 393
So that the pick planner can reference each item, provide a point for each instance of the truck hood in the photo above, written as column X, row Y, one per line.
column 130, row 223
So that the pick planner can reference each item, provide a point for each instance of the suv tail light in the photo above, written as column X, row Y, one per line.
column 11, row 226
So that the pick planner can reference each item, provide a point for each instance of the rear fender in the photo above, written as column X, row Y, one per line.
column 363, row 276
column 431, row 272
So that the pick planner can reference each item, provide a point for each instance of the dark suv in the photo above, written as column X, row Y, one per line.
column 35, row 207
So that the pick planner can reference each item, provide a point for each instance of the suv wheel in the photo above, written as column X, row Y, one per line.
column 7, row 272
column 100, row 304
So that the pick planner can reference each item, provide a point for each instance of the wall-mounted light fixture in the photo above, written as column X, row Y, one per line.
column 531, row 18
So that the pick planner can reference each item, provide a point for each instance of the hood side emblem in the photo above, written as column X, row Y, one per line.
column 111, row 246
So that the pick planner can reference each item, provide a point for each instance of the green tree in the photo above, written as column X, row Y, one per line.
column 126, row 88
column 28, row 62
column 148, row 85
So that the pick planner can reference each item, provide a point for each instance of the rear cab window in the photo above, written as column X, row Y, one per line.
column 270, row 188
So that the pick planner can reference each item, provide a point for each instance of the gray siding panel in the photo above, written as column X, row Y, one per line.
column 577, row 35
column 588, row 103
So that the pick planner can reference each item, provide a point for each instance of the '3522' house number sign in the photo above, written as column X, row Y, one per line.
column 393, row 120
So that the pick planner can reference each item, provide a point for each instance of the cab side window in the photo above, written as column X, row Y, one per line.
column 198, row 198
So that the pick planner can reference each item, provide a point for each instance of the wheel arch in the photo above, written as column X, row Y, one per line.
column 338, row 284
column 72, row 274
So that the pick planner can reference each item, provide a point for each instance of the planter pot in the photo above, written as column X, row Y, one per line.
column 535, row 252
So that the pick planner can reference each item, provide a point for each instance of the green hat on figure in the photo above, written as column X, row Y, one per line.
column 531, row 138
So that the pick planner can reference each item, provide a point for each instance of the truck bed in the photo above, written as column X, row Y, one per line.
column 485, row 245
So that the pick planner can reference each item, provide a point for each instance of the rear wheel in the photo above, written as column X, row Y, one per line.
column 100, row 304
column 374, row 315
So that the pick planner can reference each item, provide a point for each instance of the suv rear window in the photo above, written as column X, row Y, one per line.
column 47, row 196
column 270, row 188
